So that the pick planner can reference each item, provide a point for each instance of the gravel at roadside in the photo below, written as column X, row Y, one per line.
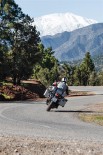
column 17, row 145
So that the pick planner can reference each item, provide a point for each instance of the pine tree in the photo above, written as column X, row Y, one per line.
column 21, row 38
column 86, row 68
column 47, row 70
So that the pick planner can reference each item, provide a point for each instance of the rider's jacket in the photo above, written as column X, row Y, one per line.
column 63, row 86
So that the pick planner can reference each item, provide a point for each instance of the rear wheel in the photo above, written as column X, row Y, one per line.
column 50, row 106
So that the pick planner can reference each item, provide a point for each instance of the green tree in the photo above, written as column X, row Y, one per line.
column 100, row 78
column 77, row 76
column 25, row 52
column 22, row 40
column 86, row 68
column 66, row 71
column 47, row 70
column 93, row 79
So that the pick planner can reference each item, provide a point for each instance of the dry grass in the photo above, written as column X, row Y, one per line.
column 80, row 93
column 95, row 116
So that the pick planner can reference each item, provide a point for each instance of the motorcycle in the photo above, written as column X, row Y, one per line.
column 55, row 97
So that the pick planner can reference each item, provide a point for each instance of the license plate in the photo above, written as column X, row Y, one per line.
column 54, row 99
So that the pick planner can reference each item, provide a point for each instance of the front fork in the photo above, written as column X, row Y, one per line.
column 48, row 101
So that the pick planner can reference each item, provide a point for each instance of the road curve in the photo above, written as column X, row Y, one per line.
column 31, row 119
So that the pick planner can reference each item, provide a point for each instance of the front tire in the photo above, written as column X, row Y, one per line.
column 50, row 106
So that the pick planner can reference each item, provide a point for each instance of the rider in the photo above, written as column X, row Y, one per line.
column 63, row 86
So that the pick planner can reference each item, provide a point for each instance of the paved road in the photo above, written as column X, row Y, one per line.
column 31, row 119
column 96, row 89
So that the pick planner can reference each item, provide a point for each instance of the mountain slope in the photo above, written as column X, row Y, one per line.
column 73, row 45
column 59, row 22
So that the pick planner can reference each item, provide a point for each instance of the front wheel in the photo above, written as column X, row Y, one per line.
column 50, row 106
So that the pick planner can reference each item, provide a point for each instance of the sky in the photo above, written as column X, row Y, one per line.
column 92, row 9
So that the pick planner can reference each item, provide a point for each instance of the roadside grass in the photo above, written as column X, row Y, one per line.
column 80, row 93
column 92, row 118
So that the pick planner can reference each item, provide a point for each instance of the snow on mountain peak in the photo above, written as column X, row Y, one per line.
column 59, row 22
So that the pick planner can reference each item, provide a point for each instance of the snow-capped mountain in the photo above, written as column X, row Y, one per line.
column 59, row 22
column 69, row 46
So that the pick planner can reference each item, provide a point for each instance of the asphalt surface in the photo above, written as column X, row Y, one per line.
column 98, row 90
column 31, row 119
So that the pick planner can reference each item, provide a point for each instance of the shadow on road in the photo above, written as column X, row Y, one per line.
column 74, row 111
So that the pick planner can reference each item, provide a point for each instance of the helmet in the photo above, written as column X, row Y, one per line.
column 64, row 79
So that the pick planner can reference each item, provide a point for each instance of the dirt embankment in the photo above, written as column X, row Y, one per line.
column 30, row 89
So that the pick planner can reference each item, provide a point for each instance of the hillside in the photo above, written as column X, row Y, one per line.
column 69, row 46
column 98, row 61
